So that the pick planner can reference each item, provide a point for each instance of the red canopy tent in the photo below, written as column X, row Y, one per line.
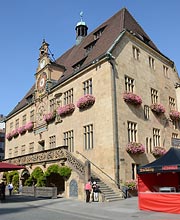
column 9, row 166
column 159, row 183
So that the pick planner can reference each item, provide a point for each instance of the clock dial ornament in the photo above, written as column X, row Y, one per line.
column 41, row 83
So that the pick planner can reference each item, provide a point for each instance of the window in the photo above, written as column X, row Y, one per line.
column 24, row 120
column 136, row 53
column 23, row 149
column 146, row 112
column 52, row 141
column 31, row 147
column 69, row 140
column 88, row 137
column 132, row 131
column 165, row 71
column 87, row 87
column 52, row 104
column 172, row 103
column 154, row 96
column 174, row 135
column 11, row 126
column 98, row 33
column 68, row 97
column 32, row 115
column 129, row 84
column 156, row 137
column 151, row 63
column 148, row 145
column 175, row 124
column 17, row 123
column 16, row 151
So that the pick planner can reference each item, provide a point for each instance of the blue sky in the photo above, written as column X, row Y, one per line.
column 24, row 24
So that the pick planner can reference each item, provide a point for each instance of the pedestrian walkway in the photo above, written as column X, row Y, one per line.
column 126, row 209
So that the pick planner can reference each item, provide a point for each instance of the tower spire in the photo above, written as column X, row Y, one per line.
column 81, row 29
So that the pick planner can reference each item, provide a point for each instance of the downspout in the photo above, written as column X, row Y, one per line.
column 115, row 123
column 115, row 112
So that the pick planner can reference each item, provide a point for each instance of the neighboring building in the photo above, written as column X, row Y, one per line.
column 2, row 137
column 84, row 100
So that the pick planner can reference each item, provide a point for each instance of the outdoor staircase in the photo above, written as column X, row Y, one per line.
column 108, row 193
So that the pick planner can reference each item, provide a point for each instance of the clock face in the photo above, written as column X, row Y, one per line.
column 42, row 63
column 41, row 83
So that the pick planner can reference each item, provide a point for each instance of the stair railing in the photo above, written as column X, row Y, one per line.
column 99, row 169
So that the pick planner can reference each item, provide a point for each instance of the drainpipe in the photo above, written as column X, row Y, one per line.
column 115, row 121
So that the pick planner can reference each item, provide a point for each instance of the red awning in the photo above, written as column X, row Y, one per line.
column 9, row 166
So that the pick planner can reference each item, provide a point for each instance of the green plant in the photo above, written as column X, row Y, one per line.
column 62, row 171
column 65, row 171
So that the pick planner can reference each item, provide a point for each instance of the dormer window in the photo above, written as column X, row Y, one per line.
column 78, row 65
column 98, row 33
column 90, row 46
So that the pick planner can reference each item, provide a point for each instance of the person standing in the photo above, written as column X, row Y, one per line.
column 95, row 188
column 10, row 188
column 88, row 189
column 3, row 187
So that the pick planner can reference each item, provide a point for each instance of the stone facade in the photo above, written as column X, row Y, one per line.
column 102, row 131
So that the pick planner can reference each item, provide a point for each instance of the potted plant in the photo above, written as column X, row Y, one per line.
column 132, row 98
column 86, row 101
column 66, row 109
column 135, row 148
column 157, row 108
column 174, row 115
column 131, row 187
column 158, row 151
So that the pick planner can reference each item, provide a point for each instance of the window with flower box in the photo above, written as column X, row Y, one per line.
column 87, row 87
column 132, row 131
column 31, row 147
column 88, row 137
column 136, row 53
column 156, row 137
column 52, row 141
column 129, row 84
column 69, row 140
column 172, row 103
column 154, row 96
column 68, row 97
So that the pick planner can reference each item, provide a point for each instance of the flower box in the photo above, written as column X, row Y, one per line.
column 174, row 115
column 86, row 101
column 158, row 151
column 66, row 109
column 157, row 108
column 22, row 130
column 9, row 136
column 15, row 133
column 135, row 148
column 132, row 98
column 49, row 116
column 29, row 126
